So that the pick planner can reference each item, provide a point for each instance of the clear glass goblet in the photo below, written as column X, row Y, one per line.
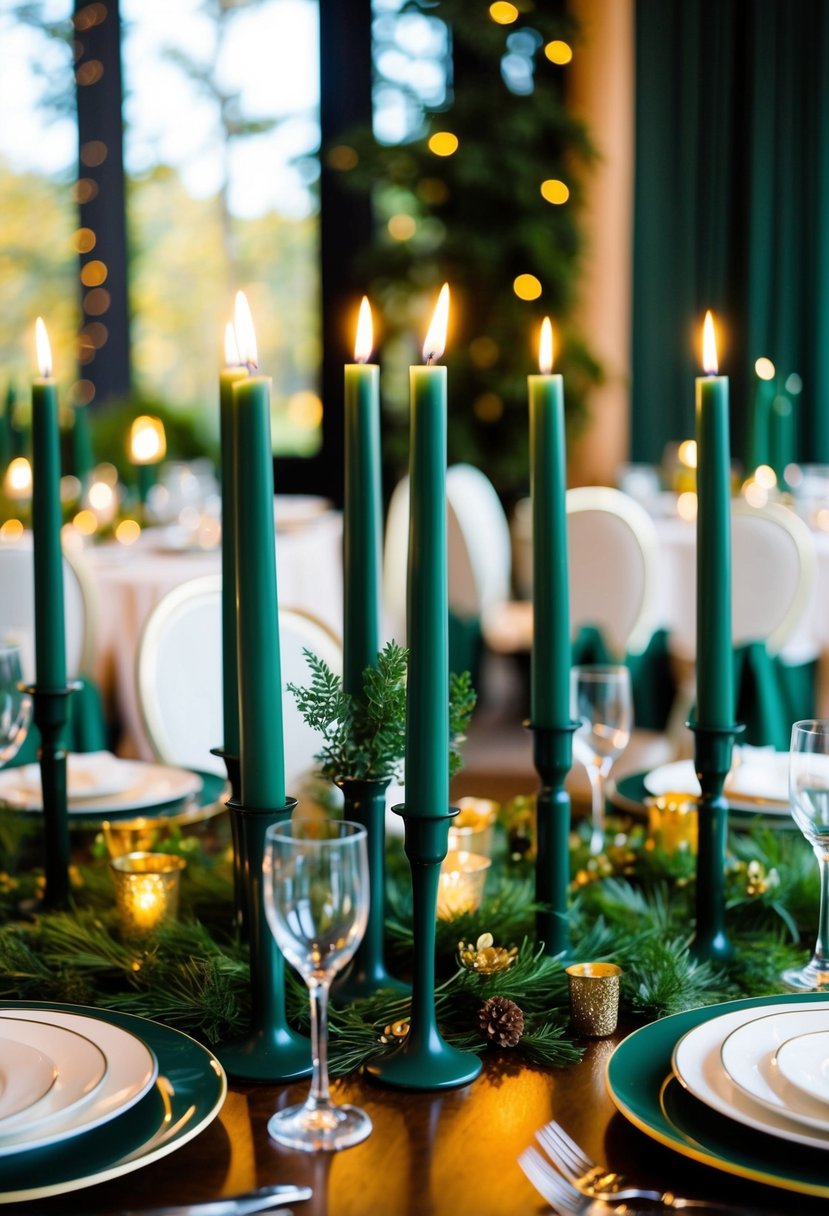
column 15, row 706
column 809, row 802
column 316, row 890
column 602, row 702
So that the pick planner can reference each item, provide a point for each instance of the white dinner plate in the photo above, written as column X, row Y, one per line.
column 88, row 775
column 803, row 1062
column 748, row 1056
column 131, row 1071
column 145, row 785
column 698, row 1066
column 79, row 1066
column 758, row 782
column 26, row 1075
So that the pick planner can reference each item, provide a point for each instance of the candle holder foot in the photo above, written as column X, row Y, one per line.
column 51, row 715
column 271, row 1051
column 365, row 803
column 713, row 747
column 425, row 1061
column 553, row 757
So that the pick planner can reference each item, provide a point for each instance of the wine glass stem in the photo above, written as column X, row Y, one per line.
column 596, row 773
column 823, row 917
column 319, row 1043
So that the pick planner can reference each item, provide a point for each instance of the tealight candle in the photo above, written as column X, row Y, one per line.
column 471, row 829
column 146, row 890
column 461, row 885
column 594, row 997
column 673, row 823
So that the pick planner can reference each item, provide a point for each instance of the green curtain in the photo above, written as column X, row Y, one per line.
column 731, row 209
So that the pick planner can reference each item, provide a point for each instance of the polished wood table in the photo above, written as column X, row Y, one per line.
column 431, row 1154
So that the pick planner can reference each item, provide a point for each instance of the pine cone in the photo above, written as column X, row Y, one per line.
column 502, row 1021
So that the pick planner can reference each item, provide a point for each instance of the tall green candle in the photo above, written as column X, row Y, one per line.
column 262, row 749
column 427, row 616
column 362, row 519
column 758, row 431
column 715, row 674
column 550, row 683
column 50, row 632
column 231, row 374
column 83, row 459
column 781, row 436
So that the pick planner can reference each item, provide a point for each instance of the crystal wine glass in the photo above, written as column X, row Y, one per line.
column 602, row 702
column 809, row 800
column 316, row 900
column 15, row 706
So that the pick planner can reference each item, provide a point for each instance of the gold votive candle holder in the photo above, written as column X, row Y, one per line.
column 461, row 883
column 471, row 831
column 673, row 823
column 146, row 890
column 594, row 997
column 133, row 835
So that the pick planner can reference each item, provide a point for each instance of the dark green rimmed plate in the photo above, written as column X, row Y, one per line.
column 187, row 1095
column 642, row 1087
column 629, row 794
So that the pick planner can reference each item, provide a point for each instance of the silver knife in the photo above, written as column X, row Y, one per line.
column 264, row 1199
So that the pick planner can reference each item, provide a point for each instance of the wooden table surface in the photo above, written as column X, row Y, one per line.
column 430, row 1154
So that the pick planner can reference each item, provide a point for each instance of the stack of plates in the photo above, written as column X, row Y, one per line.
column 87, row 1095
column 102, row 786
column 696, row 1081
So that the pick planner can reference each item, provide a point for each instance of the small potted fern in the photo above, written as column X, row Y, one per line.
column 363, row 746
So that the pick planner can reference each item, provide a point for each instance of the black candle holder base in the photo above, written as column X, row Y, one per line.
column 51, row 715
column 713, row 746
column 553, row 757
column 425, row 1061
column 233, row 767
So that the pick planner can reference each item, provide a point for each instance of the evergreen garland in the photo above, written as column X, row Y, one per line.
column 632, row 907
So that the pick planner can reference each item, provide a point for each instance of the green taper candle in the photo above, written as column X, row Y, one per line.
column 231, row 374
column 758, row 431
column 83, row 459
column 50, row 630
column 715, row 674
column 550, row 689
column 781, row 436
column 262, row 749
column 362, row 518
column 427, row 616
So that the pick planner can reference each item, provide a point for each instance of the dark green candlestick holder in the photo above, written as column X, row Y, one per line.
column 233, row 766
column 425, row 1061
column 272, row 1051
column 365, row 803
column 51, row 715
column 713, row 746
column 553, row 758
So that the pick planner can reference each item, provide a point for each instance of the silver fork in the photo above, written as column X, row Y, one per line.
column 571, row 1201
column 591, row 1178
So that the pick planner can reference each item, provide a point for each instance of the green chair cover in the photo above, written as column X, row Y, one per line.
column 87, row 726
column 771, row 695
column 466, row 645
column 653, row 685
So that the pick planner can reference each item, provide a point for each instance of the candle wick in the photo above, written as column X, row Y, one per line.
column 430, row 358
column 252, row 367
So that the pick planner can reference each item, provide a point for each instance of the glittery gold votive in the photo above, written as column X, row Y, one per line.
column 133, row 835
column 594, row 997
column 146, row 890
column 472, row 828
column 461, row 883
column 673, row 823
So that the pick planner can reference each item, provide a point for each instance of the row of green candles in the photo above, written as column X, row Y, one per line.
column 253, row 718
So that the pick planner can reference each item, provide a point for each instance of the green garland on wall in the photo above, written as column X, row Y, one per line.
column 631, row 906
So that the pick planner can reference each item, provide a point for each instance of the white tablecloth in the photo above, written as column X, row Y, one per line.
column 129, row 582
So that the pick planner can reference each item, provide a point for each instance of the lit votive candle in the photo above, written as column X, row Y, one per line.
column 673, row 823
column 471, row 829
column 594, row 997
column 146, row 890
column 461, row 885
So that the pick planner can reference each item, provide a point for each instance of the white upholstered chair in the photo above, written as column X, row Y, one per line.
column 179, row 677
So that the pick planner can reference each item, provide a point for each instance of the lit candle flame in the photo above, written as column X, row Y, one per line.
column 709, row 346
column 545, row 348
column 245, row 333
column 148, row 442
column 435, row 343
column 43, row 347
column 365, row 333
column 232, row 358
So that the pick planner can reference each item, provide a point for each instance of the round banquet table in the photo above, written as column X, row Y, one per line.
column 130, row 582
column 430, row 1154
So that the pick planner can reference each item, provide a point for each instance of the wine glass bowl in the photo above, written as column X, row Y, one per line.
column 15, row 705
column 316, row 888
column 602, row 702
column 809, row 804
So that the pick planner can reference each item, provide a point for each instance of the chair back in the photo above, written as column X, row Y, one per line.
column 612, row 554
column 773, row 572
column 17, row 607
column 179, row 678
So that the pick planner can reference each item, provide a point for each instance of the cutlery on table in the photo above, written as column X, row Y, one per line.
column 263, row 1199
column 568, row 1201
